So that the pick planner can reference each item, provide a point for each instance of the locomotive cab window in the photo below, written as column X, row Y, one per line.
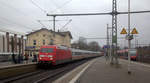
column 46, row 50
column 133, row 52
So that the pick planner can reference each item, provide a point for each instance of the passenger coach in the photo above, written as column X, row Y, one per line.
column 124, row 54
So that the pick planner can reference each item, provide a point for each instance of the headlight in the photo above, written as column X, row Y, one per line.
column 41, row 55
column 50, row 56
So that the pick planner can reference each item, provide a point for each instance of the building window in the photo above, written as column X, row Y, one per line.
column 34, row 42
column 50, row 36
column 44, row 35
column 37, row 34
column 51, row 41
column 43, row 42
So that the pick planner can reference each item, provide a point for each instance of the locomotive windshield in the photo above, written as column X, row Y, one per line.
column 46, row 50
column 132, row 52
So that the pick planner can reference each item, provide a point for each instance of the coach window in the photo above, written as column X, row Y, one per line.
column 43, row 42
column 73, row 53
column 34, row 42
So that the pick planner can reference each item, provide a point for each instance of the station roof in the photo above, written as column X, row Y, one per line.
column 59, row 33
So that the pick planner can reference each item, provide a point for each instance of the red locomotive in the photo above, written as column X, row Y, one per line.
column 53, row 54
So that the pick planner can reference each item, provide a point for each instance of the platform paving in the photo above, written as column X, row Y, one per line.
column 101, row 71
column 11, row 64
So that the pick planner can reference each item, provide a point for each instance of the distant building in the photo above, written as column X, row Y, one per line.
column 11, row 47
column 47, row 37
column 10, row 43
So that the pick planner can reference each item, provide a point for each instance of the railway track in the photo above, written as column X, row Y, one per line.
column 52, row 74
column 13, row 79
column 45, row 75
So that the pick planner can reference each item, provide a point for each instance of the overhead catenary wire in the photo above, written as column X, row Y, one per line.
column 66, row 24
column 41, row 23
column 10, row 6
column 11, row 32
column 4, row 29
column 15, row 23
column 43, row 10
column 9, row 22
column 59, row 7
column 16, row 10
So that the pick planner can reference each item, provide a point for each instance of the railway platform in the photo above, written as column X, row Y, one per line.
column 8, row 69
column 100, row 71
column 11, row 64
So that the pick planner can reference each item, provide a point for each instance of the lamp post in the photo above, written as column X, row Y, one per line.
column 108, row 44
column 129, row 41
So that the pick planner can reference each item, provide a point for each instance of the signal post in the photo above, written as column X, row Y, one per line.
column 129, row 37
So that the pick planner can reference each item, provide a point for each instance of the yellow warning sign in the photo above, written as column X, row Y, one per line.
column 123, row 31
column 134, row 31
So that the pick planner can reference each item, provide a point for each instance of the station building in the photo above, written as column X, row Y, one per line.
column 44, row 36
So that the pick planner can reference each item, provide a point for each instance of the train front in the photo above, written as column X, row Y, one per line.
column 46, row 55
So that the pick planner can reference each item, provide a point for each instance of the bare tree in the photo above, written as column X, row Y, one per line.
column 82, row 44
column 94, row 46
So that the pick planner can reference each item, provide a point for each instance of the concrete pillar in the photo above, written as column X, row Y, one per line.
column 20, row 53
column 7, row 37
column 3, row 43
column 22, row 45
column 12, row 44
column 15, row 42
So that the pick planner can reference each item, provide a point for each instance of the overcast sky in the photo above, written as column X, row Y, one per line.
column 22, row 16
